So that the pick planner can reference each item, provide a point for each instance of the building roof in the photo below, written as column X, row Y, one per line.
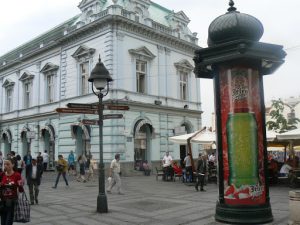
column 158, row 14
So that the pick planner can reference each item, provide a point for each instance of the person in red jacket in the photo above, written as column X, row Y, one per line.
column 10, row 185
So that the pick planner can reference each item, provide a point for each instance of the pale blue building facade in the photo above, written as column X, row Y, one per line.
column 148, row 51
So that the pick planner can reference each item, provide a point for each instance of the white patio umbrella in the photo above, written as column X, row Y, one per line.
column 208, row 137
column 271, row 135
column 205, row 137
column 290, row 135
column 182, row 139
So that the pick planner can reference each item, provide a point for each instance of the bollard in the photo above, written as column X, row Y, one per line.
column 294, row 208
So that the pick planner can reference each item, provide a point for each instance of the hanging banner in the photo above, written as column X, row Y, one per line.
column 242, row 137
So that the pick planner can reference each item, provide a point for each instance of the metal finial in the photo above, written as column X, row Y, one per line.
column 231, row 8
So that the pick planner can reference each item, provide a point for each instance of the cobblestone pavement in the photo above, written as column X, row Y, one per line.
column 146, row 201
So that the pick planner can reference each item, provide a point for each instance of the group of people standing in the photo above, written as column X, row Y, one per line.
column 186, row 169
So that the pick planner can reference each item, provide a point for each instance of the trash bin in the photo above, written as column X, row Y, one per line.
column 294, row 207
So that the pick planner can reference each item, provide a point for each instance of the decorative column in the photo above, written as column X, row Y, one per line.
column 236, row 61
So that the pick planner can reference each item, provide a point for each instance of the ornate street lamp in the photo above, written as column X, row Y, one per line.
column 100, row 78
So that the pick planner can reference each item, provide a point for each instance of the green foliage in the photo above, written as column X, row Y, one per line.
column 279, row 123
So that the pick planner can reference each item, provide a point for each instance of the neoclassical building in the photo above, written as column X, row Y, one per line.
column 148, row 51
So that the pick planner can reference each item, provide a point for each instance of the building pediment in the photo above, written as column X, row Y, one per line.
column 142, row 52
column 49, row 67
column 184, row 65
column 94, row 5
column 178, row 18
column 182, row 16
column 83, row 51
column 8, row 83
column 26, row 76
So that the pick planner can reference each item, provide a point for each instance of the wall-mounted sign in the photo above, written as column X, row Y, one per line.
column 30, row 134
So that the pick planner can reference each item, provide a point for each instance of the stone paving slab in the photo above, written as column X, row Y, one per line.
column 146, row 202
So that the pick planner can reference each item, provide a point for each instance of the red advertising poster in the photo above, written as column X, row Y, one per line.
column 242, row 137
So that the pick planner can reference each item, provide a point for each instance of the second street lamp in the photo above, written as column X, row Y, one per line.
column 100, row 79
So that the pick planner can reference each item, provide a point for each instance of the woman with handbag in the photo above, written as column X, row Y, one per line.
column 10, row 185
column 62, row 167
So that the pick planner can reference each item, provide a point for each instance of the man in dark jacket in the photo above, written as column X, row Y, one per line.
column 34, row 180
column 201, row 171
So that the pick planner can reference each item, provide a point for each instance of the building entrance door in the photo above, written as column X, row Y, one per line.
column 142, row 146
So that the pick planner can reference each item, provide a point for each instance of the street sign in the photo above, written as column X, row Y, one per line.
column 90, row 122
column 116, row 107
column 95, row 106
column 82, row 106
column 78, row 111
column 112, row 116
column 105, row 117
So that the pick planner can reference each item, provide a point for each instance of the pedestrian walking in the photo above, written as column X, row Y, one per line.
column 20, row 164
column 114, row 175
column 92, row 166
column 188, row 168
column 27, row 160
column 81, row 163
column 45, row 159
column 61, row 167
column 11, row 184
column 71, row 163
column 14, row 158
column 35, row 171
column 201, row 171
column 39, row 159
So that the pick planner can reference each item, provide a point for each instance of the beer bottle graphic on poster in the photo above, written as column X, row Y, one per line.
column 242, row 131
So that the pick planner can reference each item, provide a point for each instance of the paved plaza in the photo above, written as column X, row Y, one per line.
column 146, row 201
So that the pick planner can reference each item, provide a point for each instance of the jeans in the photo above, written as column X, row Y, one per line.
column 189, row 173
column 7, row 216
column 58, row 176
column 200, row 181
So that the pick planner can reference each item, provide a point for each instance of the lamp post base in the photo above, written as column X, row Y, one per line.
column 102, row 203
column 244, row 214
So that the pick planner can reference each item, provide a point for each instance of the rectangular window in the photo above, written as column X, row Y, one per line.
column 9, row 99
column 27, row 94
column 84, row 75
column 183, row 83
column 50, row 88
column 141, row 68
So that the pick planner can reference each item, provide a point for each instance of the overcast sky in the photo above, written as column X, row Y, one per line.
column 21, row 21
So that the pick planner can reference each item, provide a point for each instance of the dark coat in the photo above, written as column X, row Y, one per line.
column 39, row 172
column 201, row 168
column 25, row 159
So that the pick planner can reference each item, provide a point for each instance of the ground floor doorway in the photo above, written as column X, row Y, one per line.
column 142, row 143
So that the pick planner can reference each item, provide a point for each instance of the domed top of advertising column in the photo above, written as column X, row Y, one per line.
column 234, row 25
column 233, row 37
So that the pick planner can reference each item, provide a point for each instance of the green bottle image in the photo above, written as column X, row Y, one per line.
column 242, row 148
column 241, row 131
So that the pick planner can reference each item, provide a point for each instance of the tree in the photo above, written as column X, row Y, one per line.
column 279, row 123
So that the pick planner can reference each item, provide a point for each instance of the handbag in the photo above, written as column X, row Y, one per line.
column 60, row 168
column 22, row 209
